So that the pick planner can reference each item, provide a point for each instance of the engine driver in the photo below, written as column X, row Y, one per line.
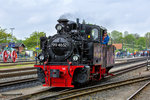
column 105, row 38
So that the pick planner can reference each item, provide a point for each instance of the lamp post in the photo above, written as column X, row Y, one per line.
column 122, row 48
column 37, row 43
column 148, row 46
column 149, row 40
column 146, row 43
column 133, row 48
column 12, row 33
column 111, row 40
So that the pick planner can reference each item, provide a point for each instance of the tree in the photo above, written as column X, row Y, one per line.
column 6, row 37
column 136, row 35
column 116, row 36
column 141, row 42
column 129, row 39
column 147, row 36
column 19, row 41
column 126, row 33
column 31, row 42
column 109, row 34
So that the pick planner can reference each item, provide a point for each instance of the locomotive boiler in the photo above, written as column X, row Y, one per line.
column 74, row 56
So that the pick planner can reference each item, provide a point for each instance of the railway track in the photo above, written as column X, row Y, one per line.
column 138, row 91
column 32, row 71
column 8, row 83
column 32, row 62
column 31, row 68
column 132, row 61
column 17, row 69
column 124, row 70
column 8, row 73
column 93, row 89
column 18, row 74
column 68, row 91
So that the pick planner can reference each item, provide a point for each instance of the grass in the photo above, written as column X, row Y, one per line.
column 17, row 66
column 15, row 63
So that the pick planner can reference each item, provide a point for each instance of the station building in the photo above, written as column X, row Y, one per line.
column 18, row 46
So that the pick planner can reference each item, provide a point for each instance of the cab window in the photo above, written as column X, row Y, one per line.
column 94, row 34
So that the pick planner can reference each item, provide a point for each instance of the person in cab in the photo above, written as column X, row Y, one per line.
column 105, row 38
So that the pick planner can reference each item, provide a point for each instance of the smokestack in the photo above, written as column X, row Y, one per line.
column 77, row 20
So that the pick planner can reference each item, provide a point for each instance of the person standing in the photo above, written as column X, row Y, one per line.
column 105, row 39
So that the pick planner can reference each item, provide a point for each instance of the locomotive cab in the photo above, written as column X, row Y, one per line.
column 95, row 33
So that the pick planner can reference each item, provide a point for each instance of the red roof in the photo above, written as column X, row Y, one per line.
column 118, row 46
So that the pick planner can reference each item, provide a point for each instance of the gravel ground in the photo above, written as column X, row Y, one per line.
column 17, row 71
column 108, row 95
column 131, row 74
column 119, row 93
column 144, row 94
column 19, row 86
column 29, row 90
column 125, row 66
column 17, row 78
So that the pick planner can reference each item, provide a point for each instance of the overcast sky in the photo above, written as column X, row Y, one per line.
column 27, row 16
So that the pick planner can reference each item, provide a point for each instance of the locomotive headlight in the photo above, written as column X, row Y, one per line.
column 41, row 57
column 75, row 57
column 58, row 27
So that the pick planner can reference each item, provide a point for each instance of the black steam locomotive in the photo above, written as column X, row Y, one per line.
column 74, row 55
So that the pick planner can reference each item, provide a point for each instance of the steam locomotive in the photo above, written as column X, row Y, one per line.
column 74, row 56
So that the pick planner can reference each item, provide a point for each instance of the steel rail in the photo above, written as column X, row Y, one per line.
column 138, row 91
column 30, row 68
column 131, row 61
column 17, row 69
column 124, row 70
column 117, row 73
column 2, row 84
column 85, row 91
column 17, row 74
column 118, row 64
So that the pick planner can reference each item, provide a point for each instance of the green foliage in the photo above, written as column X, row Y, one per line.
column 136, row 36
column 19, row 41
column 109, row 34
column 129, row 39
column 31, row 42
column 116, row 36
column 6, row 37
column 147, row 36
column 126, row 33
column 141, row 41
